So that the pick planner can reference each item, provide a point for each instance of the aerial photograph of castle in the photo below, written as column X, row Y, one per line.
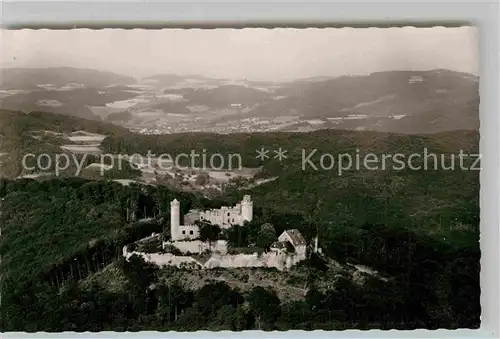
column 288, row 250
column 239, row 180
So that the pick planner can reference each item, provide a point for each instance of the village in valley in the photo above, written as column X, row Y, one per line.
column 280, row 179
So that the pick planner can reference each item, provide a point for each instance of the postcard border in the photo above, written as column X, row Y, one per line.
column 130, row 14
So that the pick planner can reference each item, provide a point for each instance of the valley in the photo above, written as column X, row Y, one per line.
column 394, row 101
column 251, row 179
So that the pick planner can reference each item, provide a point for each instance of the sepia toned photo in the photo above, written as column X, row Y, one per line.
column 239, row 179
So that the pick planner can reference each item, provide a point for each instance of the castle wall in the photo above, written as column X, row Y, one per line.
column 197, row 246
column 294, row 259
column 188, row 232
column 165, row 259
column 270, row 259
column 247, row 260
column 225, row 217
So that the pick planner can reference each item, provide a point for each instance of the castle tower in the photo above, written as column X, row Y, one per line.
column 247, row 208
column 174, row 220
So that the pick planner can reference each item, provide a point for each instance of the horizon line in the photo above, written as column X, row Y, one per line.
column 207, row 77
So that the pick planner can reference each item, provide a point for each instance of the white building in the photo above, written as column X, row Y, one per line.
column 225, row 217
column 295, row 239
column 415, row 78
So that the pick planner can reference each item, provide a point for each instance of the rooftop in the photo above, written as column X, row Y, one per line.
column 296, row 237
column 191, row 217
column 278, row 245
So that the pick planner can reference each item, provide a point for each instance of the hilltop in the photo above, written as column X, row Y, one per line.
column 407, row 102
column 32, row 78
column 62, row 236
column 392, row 101
column 65, row 90
column 41, row 132
column 87, row 224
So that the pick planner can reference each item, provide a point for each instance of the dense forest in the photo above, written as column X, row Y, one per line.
column 418, row 228
column 56, row 232
column 17, row 129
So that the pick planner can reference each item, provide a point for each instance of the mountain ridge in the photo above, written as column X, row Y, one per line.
column 29, row 78
column 404, row 101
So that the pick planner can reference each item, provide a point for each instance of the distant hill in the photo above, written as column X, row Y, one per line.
column 74, row 102
column 173, row 79
column 172, row 107
column 409, row 102
column 177, row 77
column 30, row 78
column 393, row 101
column 64, row 90
column 429, row 198
column 419, row 227
column 313, row 79
column 17, row 135
column 119, row 117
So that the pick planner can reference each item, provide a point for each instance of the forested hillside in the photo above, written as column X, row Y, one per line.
column 60, row 231
column 419, row 228
column 426, row 101
column 18, row 135
column 32, row 78
column 436, row 199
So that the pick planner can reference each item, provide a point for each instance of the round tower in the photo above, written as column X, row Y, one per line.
column 174, row 220
column 247, row 208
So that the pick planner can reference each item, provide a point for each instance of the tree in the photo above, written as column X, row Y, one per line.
column 3, row 186
column 239, row 236
column 202, row 179
column 243, row 318
column 225, row 318
column 312, row 216
column 172, row 301
column 266, row 236
column 209, row 232
column 139, row 274
column 213, row 296
column 265, row 305
column 296, row 314
column 152, row 246
column 315, row 299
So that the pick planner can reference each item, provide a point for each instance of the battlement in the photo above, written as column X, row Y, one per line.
column 225, row 217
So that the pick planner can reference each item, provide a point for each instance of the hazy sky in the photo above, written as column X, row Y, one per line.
column 257, row 54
